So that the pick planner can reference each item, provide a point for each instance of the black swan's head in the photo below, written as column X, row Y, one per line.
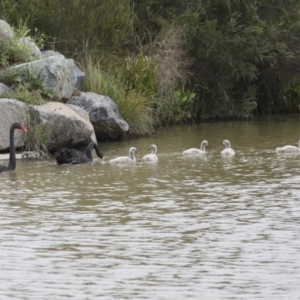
column 18, row 126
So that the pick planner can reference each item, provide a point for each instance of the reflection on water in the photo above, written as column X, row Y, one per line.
column 183, row 228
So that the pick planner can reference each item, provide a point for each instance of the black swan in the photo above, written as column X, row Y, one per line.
column 12, row 153
column 72, row 156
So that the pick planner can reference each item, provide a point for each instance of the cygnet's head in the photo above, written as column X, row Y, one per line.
column 133, row 150
column 204, row 144
column 226, row 143
column 153, row 148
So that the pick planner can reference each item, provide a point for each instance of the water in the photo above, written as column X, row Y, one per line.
column 201, row 228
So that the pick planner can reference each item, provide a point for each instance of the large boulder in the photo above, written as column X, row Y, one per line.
column 83, row 114
column 48, row 53
column 104, row 115
column 57, row 73
column 80, row 75
column 64, row 126
column 6, row 32
column 12, row 111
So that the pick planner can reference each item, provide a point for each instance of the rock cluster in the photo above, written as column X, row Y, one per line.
column 72, row 119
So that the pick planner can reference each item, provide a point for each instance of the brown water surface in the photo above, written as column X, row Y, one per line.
column 183, row 228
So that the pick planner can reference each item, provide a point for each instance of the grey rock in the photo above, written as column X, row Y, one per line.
column 49, row 53
column 6, row 32
column 80, row 75
column 57, row 74
column 34, row 50
column 104, row 115
column 12, row 111
column 64, row 126
column 83, row 114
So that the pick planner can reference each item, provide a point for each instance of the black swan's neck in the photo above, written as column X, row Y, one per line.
column 12, row 152
column 89, row 151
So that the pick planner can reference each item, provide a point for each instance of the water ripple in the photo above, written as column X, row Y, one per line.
column 183, row 228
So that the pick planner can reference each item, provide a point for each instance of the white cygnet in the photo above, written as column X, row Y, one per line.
column 152, row 157
column 288, row 149
column 125, row 159
column 228, row 151
column 196, row 151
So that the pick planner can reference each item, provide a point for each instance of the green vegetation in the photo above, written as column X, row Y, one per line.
column 246, row 57
column 11, row 53
column 130, row 85
column 26, row 86
column 171, row 61
column 36, row 137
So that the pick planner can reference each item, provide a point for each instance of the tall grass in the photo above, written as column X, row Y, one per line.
column 37, row 139
column 131, row 95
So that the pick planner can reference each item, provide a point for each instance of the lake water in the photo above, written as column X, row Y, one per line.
column 183, row 228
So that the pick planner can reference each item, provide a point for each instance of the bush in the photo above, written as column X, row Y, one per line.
column 243, row 51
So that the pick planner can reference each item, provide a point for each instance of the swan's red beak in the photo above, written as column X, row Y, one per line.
column 23, row 128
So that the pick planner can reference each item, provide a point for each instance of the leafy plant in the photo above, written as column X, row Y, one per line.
column 178, row 110
column 183, row 98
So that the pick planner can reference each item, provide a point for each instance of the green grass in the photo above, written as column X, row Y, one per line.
column 26, row 87
column 37, row 138
column 132, row 96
